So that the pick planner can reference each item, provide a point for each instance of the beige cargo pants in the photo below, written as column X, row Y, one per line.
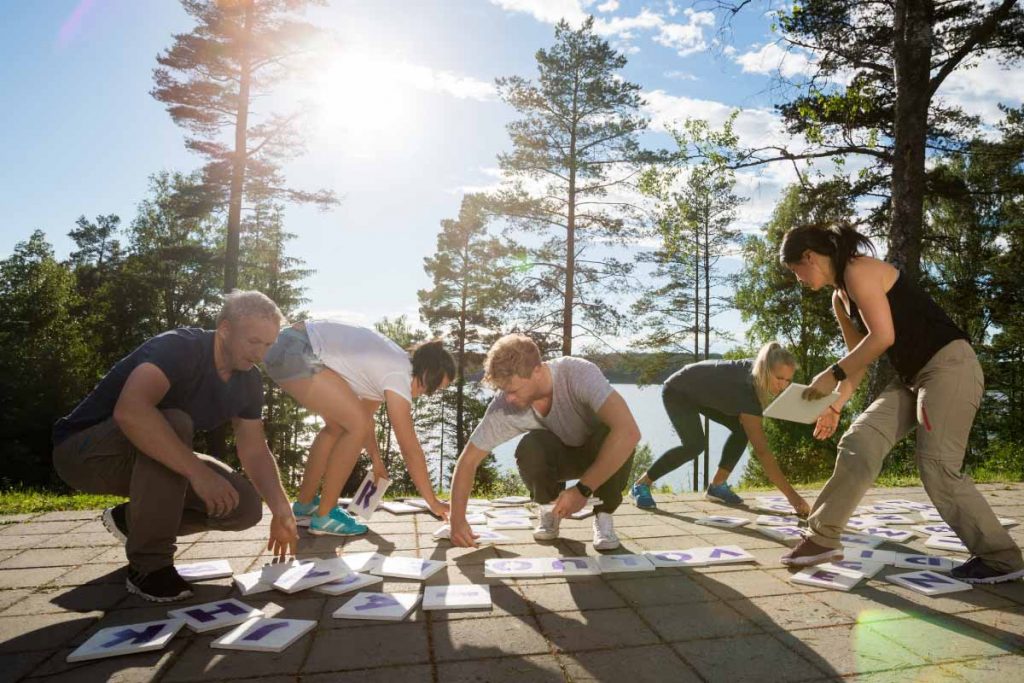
column 941, row 406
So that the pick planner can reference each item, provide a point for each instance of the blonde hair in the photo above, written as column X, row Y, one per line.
column 240, row 303
column 514, row 355
column 771, row 355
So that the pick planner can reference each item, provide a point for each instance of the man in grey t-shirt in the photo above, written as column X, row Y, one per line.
column 576, row 425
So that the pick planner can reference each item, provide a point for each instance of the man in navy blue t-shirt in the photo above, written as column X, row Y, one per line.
column 132, row 436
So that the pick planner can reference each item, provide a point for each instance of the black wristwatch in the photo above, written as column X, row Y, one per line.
column 584, row 489
column 838, row 372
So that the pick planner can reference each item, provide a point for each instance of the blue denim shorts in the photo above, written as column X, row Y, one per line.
column 291, row 357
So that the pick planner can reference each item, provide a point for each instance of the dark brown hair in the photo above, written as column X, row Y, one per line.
column 839, row 241
column 432, row 363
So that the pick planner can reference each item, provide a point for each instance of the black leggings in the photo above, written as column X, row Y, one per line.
column 685, row 416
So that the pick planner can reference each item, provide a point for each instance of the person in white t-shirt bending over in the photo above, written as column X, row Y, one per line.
column 577, row 427
column 343, row 373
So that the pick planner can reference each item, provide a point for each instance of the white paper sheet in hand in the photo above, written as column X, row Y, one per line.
column 791, row 406
column 368, row 496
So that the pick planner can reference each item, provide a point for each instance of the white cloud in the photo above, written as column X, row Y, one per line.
column 446, row 82
column 686, row 38
column 978, row 90
column 548, row 11
column 756, row 127
column 770, row 59
column 624, row 26
column 680, row 76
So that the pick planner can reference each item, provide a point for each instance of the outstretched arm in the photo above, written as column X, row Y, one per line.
column 754, row 429
column 400, row 415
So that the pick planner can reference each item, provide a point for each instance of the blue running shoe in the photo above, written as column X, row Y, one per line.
column 302, row 510
column 335, row 523
column 721, row 493
column 641, row 494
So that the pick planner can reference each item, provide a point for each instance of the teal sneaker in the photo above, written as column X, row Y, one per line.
column 721, row 493
column 641, row 494
column 335, row 523
column 302, row 510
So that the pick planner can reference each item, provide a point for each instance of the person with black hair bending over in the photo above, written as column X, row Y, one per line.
column 732, row 393
column 343, row 373
column 938, row 388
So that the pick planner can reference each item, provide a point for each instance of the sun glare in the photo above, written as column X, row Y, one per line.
column 365, row 102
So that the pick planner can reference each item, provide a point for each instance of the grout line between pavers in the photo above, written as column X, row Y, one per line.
column 427, row 616
column 653, row 630
column 556, row 652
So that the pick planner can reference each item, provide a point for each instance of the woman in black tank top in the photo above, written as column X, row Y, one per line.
column 937, row 393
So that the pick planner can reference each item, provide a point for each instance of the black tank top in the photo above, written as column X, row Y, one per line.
column 921, row 327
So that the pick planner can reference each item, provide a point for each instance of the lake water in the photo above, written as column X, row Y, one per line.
column 657, row 431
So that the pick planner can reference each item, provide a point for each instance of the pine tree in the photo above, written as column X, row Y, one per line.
column 209, row 80
column 575, row 142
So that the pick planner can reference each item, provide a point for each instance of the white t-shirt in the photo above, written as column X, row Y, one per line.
column 370, row 362
column 578, row 391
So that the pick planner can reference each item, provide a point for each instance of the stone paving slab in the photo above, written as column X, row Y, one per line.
column 62, row 579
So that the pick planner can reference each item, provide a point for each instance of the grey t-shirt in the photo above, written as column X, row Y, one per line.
column 723, row 385
column 579, row 389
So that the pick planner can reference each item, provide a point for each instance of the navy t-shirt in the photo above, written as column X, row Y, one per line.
column 185, row 356
column 723, row 385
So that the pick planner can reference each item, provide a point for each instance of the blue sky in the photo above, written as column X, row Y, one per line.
column 408, row 120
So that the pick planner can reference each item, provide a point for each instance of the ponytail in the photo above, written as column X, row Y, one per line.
column 838, row 241
column 768, row 358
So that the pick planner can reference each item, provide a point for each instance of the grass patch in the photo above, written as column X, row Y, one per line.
column 18, row 502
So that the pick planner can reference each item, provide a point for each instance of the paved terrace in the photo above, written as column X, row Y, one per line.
column 62, row 578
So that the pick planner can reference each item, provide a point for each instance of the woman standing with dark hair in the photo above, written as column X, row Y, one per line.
column 343, row 373
column 937, row 393
column 732, row 393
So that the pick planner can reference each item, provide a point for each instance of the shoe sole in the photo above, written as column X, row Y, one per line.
column 135, row 590
column 1002, row 578
column 608, row 546
column 653, row 506
column 544, row 536
column 723, row 501
column 811, row 560
column 111, row 526
column 321, row 532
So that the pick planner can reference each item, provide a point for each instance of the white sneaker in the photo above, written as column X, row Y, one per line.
column 604, row 532
column 547, row 527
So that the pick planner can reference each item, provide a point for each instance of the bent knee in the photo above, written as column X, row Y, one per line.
column 247, row 513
